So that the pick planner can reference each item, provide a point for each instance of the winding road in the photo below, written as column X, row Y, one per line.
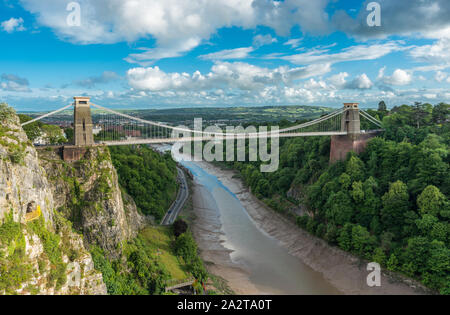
column 177, row 205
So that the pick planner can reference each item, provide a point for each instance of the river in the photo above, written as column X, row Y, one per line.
column 270, row 268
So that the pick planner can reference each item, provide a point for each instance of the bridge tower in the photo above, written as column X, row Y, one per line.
column 354, row 140
column 82, row 122
column 350, row 119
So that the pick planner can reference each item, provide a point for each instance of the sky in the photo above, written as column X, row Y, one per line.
column 198, row 53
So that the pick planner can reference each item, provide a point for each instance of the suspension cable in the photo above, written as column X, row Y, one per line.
column 46, row 115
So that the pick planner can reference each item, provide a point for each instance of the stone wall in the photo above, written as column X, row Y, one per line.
column 342, row 145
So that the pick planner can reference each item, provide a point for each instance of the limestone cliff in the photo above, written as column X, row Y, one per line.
column 39, row 252
column 88, row 194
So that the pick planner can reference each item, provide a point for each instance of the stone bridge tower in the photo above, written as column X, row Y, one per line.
column 350, row 119
column 354, row 140
column 82, row 122
column 82, row 131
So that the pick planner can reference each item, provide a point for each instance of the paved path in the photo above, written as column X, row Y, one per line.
column 179, row 202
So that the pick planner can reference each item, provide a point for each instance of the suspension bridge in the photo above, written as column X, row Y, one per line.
column 113, row 128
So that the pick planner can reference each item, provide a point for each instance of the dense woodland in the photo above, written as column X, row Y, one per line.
column 389, row 204
column 147, row 176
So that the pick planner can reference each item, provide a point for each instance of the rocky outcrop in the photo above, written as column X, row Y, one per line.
column 88, row 194
column 39, row 252
column 22, row 180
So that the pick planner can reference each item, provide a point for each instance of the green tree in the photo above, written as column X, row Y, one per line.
column 392, row 263
column 339, row 208
column 395, row 204
column 382, row 106
column 441, row 113
column 355, row 168
column 431, row 201
column 361, row 240
column 379, row 256
column 345, row 237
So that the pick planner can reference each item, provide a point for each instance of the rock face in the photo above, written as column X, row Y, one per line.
column 88, row 194
column 22, row 180
column 39, row 252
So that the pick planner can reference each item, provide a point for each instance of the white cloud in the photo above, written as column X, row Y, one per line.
column 437, row 53
column 421, row 18
column 223, row 75
column 237, row 53
column 13, row 25
column 360, row 52
column 361, row 82
column 14, row 83
column 398, row 77
column 177, row 25
column 312, row 84
column 91, row 82
column 262, row 40
column 338, row 80
column 293, row 42
column 440, row 76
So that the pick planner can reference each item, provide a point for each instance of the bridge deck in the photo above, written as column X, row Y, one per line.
column 208, row 138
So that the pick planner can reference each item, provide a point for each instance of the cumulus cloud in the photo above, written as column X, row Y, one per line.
column 425, row 18
column 14, row 83
column 437, row 53
column 398, row 77
column 237, row 53
column 361, row 82
column 440, row 76
column 262, row 40
column 177, row 25
column 13, row 25
column 223, row 75
column 312, row 84
column 339, row 81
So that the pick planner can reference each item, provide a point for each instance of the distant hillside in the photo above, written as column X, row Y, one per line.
column 235, row 115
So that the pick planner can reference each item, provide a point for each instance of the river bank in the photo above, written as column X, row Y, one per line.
column 344, row 271
column 207, row 233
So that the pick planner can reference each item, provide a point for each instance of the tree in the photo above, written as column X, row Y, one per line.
column 379, row 256
column 392, row 263
column 339, row 208
column 186, row 247
column 441, row 113
column 355, row 168
column 53, row 134
column 382, row 106
column 420, row 113
column 431, row 201
column 395, row 204
column 345, row 237
column 361, row 240
column 416, row 254
column 179, row 227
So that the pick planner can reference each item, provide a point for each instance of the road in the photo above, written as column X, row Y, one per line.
column 177, row 205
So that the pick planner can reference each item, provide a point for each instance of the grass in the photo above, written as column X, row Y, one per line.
column 159, row 240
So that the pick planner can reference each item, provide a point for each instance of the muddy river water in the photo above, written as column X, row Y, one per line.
column 269, row 266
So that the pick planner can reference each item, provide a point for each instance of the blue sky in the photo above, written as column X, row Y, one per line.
column 177, row 53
